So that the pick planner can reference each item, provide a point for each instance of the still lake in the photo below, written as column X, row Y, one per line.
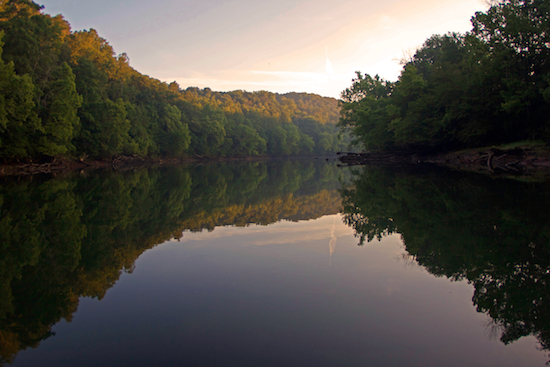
column 274, row 263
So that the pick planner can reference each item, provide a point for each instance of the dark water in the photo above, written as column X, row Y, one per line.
column 258, row 264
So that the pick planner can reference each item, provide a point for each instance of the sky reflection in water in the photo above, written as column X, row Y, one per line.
column 275, row 296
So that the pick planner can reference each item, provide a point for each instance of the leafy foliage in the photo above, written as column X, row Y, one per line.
column 489, row 86
column 68, row 94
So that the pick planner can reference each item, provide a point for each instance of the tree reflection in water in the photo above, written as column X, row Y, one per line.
column 494, row 233
column 72, row 236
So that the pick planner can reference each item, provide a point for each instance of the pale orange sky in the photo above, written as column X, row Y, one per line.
column 279, row 46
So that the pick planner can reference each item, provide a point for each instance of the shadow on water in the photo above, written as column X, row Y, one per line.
column 494, row 233
column 73, row 236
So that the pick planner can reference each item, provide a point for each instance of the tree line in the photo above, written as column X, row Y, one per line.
column 66, row 93
column 488, row 86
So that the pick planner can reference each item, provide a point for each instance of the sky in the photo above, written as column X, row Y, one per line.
column 275, row 45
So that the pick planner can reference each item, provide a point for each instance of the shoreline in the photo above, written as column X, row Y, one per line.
column 513, row 160
column 520, row 160
column 60, row 166
column 516, row 161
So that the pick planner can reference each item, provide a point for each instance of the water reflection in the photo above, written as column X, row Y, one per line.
column 277, row 294
column 493, row 233
column 64, row 238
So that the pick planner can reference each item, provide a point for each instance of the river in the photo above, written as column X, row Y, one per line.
column 274, row 263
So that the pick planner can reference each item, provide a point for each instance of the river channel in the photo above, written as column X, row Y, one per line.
column 274, row 263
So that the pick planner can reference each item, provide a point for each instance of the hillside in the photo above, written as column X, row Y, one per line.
column 67, row 94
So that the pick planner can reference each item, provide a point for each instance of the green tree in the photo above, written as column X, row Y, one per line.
column 366, row 112
column 207, row 127
column 175, row 137
column 105, row 132
column 60, row 120
column 35, row 43
column 18, row 119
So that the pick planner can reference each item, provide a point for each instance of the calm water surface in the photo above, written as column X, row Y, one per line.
column 270, row 264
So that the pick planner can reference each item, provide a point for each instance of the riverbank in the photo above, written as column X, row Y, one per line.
column 57, row 166
column 521, row 158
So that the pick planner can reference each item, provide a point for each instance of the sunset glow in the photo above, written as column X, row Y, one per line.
column 282, row 46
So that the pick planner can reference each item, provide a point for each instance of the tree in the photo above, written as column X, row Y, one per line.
column 516, row 32
column 104, row 133
column 366, row 112
column 175, row 137
column 207, row 127
column 59, row 119
column 35, row 45
column 18, row 120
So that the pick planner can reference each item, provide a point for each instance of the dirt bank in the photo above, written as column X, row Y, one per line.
column 519, row 159
column 55, row 166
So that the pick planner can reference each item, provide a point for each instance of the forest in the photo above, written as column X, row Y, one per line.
column 486, row 87
column 67, row 94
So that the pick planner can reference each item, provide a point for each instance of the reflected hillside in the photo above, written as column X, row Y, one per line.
column 68, row 237
column 493, row 233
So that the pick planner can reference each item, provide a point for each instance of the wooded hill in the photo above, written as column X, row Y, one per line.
column 488, row 86
column 66, row 93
